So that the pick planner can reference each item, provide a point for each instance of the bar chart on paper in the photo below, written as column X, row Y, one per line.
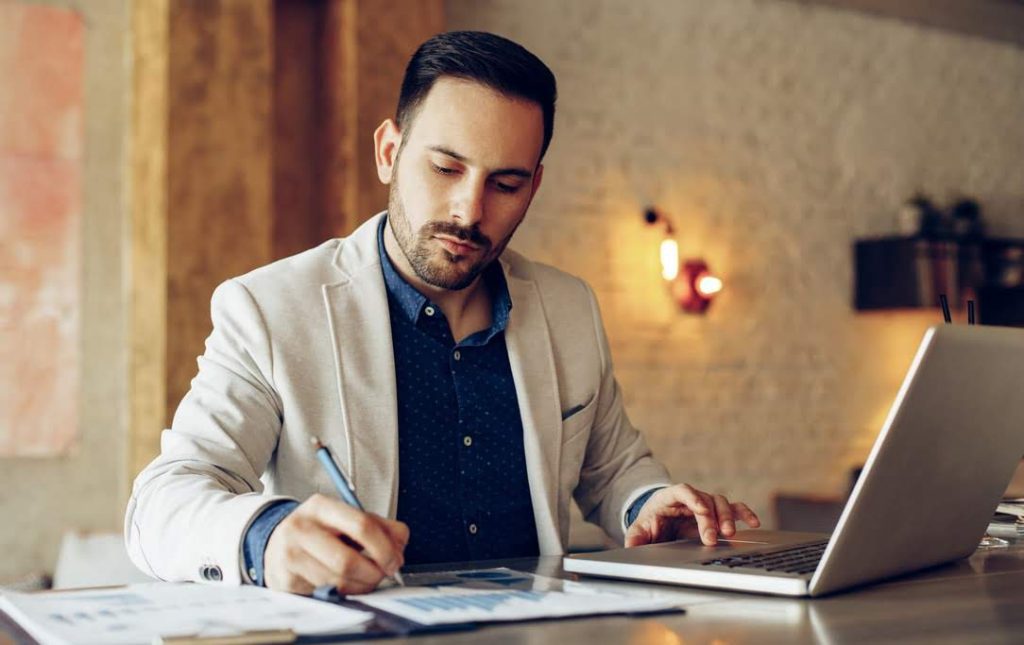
column 467, row 597
column 490, row 602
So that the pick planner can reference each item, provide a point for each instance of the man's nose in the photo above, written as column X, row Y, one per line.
column 468, row 205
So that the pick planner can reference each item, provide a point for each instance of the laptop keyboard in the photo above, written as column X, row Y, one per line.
column 802, row 559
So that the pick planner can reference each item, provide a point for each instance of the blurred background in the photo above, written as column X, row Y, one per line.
column 836, row 164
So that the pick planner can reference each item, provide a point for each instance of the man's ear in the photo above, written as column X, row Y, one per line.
column 387, row 139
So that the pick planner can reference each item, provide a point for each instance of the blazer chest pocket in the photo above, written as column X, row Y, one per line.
column 576, row 424
column 577, row 419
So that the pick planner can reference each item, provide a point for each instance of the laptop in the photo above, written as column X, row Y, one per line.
column 940, row 464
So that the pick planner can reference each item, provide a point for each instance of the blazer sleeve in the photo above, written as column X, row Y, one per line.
column 618, row 466
column 189, row 509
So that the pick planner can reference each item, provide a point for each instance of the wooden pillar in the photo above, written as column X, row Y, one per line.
column 219, row 165
column 252, row 126
column 386, row 34
column 202, row 186
column 297, row 34
column 147, row 281
column 338, row 70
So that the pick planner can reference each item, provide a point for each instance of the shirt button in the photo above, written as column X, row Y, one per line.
column 467, row 441
column 473, row 529
column 429, row 311
column 457, row 355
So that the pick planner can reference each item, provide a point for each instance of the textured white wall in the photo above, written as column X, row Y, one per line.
column 774, row 133
column 86, row 489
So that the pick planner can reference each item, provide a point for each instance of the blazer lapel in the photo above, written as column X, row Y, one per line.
column 533, row 370
column 357, row 309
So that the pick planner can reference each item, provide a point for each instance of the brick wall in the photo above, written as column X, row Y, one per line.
column 774, row 133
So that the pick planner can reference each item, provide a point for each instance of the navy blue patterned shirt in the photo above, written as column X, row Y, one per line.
column 463, row 488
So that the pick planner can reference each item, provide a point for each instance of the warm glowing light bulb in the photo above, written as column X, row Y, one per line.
column 708, row 285
column 669, row 259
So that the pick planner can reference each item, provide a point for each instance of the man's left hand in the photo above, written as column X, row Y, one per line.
column 682, row 511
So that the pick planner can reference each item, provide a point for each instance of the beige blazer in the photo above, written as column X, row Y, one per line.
column 302, row 347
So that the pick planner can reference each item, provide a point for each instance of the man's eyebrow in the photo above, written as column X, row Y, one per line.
column 518, row 172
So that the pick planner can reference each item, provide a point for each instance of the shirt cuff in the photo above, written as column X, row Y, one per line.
column 638, row 503
column 258, row 534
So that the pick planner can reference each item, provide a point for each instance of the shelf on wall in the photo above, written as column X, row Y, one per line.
column 902, row 272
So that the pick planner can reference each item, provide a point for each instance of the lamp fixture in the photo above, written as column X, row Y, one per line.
column 669, row 259
column 690, row 282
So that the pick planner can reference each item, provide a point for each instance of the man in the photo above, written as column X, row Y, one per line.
column 466, row 391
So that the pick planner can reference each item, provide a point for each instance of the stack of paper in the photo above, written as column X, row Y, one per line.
column 1009, row 519
column 1011, row 507
column 141, row 612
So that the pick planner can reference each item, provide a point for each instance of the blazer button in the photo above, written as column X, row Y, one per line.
column 204, row 572
column 216, row 574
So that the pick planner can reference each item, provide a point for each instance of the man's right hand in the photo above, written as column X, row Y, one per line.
column 325, row 541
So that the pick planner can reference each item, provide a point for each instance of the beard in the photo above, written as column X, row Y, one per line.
column 432, row 263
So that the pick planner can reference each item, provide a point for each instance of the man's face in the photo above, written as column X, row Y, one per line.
column 461, row 177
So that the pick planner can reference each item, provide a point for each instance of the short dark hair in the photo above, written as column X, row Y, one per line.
column 498, row 63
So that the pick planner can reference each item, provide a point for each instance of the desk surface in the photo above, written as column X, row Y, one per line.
column 977, row 600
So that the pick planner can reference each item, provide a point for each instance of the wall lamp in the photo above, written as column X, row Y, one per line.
column 690, row 282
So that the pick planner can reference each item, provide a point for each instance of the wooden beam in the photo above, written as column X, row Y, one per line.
column 364, row 50
column 147, row 381
column 253, row 128
column 297, row 33
column 201, row 187
column 337, row 71
column 219, row 165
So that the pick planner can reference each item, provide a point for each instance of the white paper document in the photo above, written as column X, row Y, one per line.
column 138, row 613
column 487, row 595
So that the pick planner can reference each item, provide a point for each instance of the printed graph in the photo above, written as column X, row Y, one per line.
column 496, row 595
column 486, row 601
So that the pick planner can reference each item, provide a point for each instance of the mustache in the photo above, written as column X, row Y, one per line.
column 472, row 235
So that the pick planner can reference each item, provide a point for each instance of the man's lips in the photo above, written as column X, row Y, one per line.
column 456, row 246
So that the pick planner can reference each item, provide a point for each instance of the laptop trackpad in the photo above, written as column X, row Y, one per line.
column 692, row 550
column 695, row 550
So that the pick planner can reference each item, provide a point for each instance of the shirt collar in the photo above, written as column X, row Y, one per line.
column 412, row 303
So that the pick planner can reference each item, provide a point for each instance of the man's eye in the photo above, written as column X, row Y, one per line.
column 441, row 170
column 505, row 188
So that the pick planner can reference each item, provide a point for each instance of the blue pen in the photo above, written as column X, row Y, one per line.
column 344, row 489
